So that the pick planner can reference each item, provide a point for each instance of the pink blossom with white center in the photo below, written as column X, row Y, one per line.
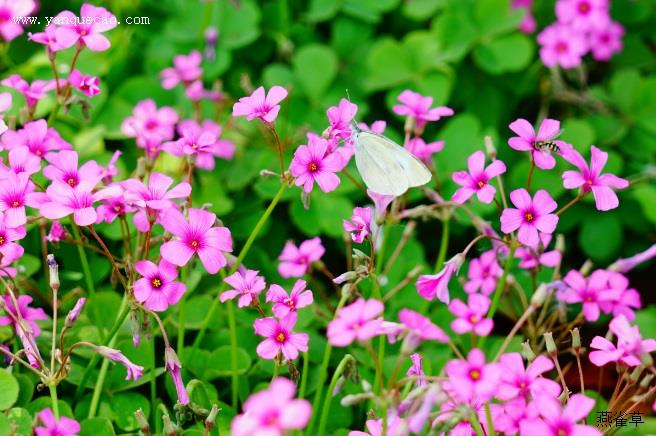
column 21, row 161
column 280, row 337
column 37, row 137
column 483, row 273
column 359, row 321
column 54, row 38
column 314, row 163
column 419, row 108
column 64, row 426
column 63, row 168
column 260, row 104
column 606, row 42
column 360, row 225
column 10, row 250
column 532, row 215
column 88, row 35
column 16, row 192
column 296, row 261
column 589, row 178
column 528, row 140
column 472, row 379
column 630, row 347
column 149, row 124
column 558, row 421
column 471, row 317
column 583, row 15
column 519, row 381
column 476, row 180
column 298, row 298
column 157, row 288
column 340, row 118
column 186, row 69
column 10, row 13
column 594, row 292
column 532, row 258
column 196, row 236
column 88, row 85
column 247, row 285
column 273, row 411
column 62, row 200
column 437, row 285
column 560, row 45
column 422, row 150
column 33, row 92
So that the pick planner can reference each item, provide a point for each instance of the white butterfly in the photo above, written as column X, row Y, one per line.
column 385, row 166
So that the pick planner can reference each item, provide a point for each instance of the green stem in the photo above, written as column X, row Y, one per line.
column 500, row 286
column 153, row 384
column 83, row 259
column 490, row 424
column 53, row 399
column 476, row 425
column 444, row 245
column 304, row 375
column 233, row 352
column 181, row 315
column 329, row 393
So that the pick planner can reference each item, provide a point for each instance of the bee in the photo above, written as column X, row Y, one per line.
column 550, row 146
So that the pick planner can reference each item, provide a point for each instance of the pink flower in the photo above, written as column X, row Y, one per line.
column 592, row 292
column 247, row 284
column 28, row 314
column 437, row 285
column 533, row 257
column 561, row 45
column 84, row 83
column 88, row 35
column 157, row 287
column 57, row 232
column 528, row 140
column 10, row 250
column 33, row 92
column 186, row 69
column 63, row 168
column 476, row 181
column 296, row 261
column 358, row 321
column 149, row 124
column 11, row 12
column 424, row 151
column 61, row 200
column 196, row 236
column 279, row 337
column 607, row 41
column 418, row 107
column 381, row 201
column 528, row 24
column 21, row 161
column 299, row 297
column 64, row 426
column 272, row 411
column 472, row 379
column 133, row 371
column 395, row 427
column 74, row 313
column 202, row 142
column 196, row 92
column 54, row 38
column 471, row 317
column 114, row 205
column 37, row 137
column 627, row 300
column 173, row 366
column 416, row 369
column 340, row 118
column 517, row 381
column 16, row 191
column 376, row 127
column 630, row 345
column 626, row 265
column 419, row 329
column 589, row 178
column 556, row 421
column 259, row 105
column 483, row 273
column 530, row 216
column 313, row 163
column 583, row 14
column 360, row 224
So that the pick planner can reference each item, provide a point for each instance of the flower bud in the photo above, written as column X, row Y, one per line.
column 211, row 418
column 646, row 359
column 550, row 344
column 409, row 125
column 345, row 277
column 636, row 373
column 169, row 428
column 74, row 313
column 490, row 149
column 527, row 351
column 353, row 399
column 53, row 272
column 646, row 381
column 539, row 296
column 560, row 243
column 576, row 339
column 142, row 421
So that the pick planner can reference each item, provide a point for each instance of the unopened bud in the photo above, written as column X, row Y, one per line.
column 140, row 172
column 576, row 339
column 527, row 351
column 74, row 313
column 586, row 267
column 211, row 418
column 540, row 295
column 636, row 373
column 560, row 243
column 345, row 277
column 339, row 385
column 409, row 125
column 646, row 359
column 564, row 396
column 366, row 386
column 53, row 272
column 646, row 381
column 142, row 421
column 490, row 149
column 169, row 428
column 353, row 399
column 550, row 344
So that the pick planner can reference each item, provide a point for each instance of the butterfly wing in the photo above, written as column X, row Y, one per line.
column 386, row 167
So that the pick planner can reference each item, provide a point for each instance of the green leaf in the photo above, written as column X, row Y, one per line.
column 419, row 10
column 601, row 237
column 455, row 33
column 30, row 264
column 494, row 17
column 239, row 25
column 8, row 390
column 124, row 405
column 219, row 364
column 26, row 389
column 646, row 321
column 96, row 427
column 21, row 421
column 646, row 196
column 44, row 402
column 506, row 54
column 102, row 308
column 315, row 67
column 578, row 133
column 322, row 10
column 388, row 64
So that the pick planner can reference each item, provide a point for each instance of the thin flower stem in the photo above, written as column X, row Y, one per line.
column 182, row 315
column 54, row 72
column 502, row 192
column 83, row 259
column 153, row 383
column 578, row 363
column 355, row 181
column 530, row 175
column 554, row 357
column 15, row 358
column 527, row 313
column 405, row 237
column 476, row 424
column 53, row 399
column 500, row 287
column 570, row 204
column 348, row 359
column 444, row 244
column 490, row 423
column 272, row 127
column 233, row 353
column 304, row 375
column 109, row 256
column 54, row 329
